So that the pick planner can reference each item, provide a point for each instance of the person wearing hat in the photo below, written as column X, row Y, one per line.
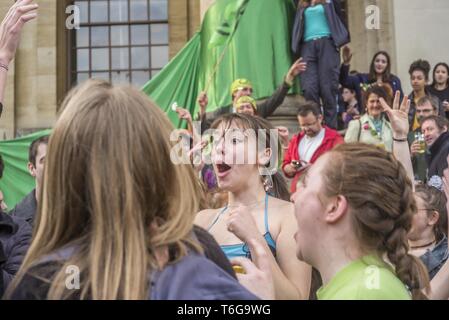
column 243, row 87
column 246, row 105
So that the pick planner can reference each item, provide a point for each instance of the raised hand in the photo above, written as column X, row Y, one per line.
column 347, row 55
column 10, row 29
column 203, row 101
column 398, row 115
column 184, row 114
column 298, row 67
column 284, row 135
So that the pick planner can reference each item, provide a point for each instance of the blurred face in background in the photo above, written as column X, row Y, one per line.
column 373, row 106
column 246, row 108
column 441, row 75
column 424, row 111
column 418, row 80
column 348, row 95
column 431, row 132
column 380, row 63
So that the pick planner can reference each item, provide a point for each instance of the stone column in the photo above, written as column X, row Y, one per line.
column 31, row 95
column 184, row 20
column 205, row 4
column 365, row 42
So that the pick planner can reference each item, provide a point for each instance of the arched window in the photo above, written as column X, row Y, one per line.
column 123, row 41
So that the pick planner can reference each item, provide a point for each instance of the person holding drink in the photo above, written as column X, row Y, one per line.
column 424, row 108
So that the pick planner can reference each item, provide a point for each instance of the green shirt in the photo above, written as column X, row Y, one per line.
column 368, row 278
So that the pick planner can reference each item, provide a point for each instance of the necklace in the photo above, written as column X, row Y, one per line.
column 246, row 205
column 424, row 245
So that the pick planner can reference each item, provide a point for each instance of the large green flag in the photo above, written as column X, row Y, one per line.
column 238, row 39
column 17, row 181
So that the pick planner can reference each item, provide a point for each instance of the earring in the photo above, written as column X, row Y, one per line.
column 268, row 183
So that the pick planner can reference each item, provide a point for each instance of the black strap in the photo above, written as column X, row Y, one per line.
column 360, row 130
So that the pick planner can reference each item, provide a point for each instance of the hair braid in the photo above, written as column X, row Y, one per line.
column 382, row 210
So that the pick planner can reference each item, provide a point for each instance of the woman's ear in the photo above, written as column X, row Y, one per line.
column 336, row 209
column 434, row 216
column 264, row 157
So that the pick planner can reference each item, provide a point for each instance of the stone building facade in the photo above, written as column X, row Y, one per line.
column 51, row 57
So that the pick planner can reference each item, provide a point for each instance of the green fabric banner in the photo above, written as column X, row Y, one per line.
column 238, row 39
column 17, row 181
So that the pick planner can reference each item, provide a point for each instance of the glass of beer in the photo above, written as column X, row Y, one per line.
column 422, row 144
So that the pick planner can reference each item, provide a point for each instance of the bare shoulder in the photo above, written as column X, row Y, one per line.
column 204, row 218
column 281, row 207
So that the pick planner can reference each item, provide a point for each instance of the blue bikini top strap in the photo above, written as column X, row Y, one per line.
column 218, row 217
column 267, row 230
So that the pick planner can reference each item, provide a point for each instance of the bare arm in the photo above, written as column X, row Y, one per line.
column 19, row 14
column 291, row 277
column 297, row 272
column 398, row 116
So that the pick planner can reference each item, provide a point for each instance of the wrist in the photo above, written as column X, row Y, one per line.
column 4, row 67
column 400, row 138
column 289, row 80
column 4, row 61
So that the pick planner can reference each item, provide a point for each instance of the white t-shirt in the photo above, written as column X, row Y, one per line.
column 308, row 146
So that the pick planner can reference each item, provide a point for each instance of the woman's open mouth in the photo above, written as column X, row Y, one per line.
column 223, row 169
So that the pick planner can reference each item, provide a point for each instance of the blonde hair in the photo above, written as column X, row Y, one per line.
column 111, row 191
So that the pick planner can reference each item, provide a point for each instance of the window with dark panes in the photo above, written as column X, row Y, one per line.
column 123, row 41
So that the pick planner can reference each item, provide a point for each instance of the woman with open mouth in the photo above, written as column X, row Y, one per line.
column 241, row 155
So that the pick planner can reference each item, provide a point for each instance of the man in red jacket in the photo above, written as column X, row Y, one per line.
column 313, row 141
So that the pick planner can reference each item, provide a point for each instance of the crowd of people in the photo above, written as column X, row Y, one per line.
column 365, row 217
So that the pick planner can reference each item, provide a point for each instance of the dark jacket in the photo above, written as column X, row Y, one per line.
column 194, row 277
column 437, row 156
column 15, row 239
column 27, row 208
column 337, row 25
column 355, row 82
column 434, row 259
column 264, row 109
column 412, row 111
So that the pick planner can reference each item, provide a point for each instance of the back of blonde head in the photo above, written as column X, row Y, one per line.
column 111, row 190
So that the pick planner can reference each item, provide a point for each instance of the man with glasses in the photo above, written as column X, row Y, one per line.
column 425, row 107
column 312, row 141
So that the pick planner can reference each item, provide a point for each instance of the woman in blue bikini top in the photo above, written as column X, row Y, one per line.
column 241, row 250
column 252, row 214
